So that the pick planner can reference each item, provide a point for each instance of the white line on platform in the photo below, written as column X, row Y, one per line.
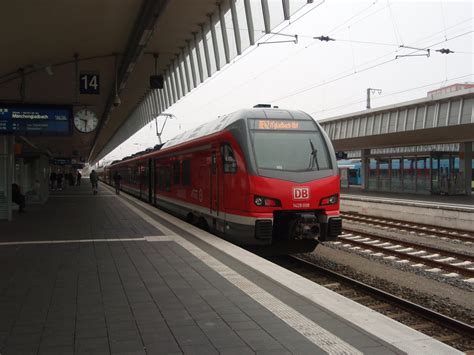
column 65, row 241
column 306, row 327
column 402, row 337
column 412, row 202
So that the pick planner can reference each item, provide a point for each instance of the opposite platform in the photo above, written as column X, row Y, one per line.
column 153, row 284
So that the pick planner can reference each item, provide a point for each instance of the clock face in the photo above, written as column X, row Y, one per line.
column 85, row 120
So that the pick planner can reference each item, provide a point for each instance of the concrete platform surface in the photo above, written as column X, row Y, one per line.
column 109, row 274
column 434, row 201
column 439, row 211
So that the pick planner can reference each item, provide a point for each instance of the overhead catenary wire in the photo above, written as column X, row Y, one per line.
column 390, row 94
column 249, row 51
column 359, row 71
column 356, row 41
column 341, row 25
column 338, row 27
column 297, row 52
column 396, row 30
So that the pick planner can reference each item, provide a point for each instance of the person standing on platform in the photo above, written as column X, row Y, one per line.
column 117, row 179
column 52, row 180
column 17, row 197
column 70, row 178
column 78, row 178
column 94, row 181
column 59, row 180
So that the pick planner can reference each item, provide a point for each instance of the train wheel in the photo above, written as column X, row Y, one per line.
column 190, row 218
column 203, row 224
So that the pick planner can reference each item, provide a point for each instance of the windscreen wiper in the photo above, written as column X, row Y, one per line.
column 314, row 157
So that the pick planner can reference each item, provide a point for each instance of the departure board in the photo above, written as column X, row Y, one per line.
column 45, row 120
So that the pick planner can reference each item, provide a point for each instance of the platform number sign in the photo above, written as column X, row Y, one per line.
column 89, row 84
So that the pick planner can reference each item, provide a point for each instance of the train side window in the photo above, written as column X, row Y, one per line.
column 186, row 172
column 161, row 184
column 167, row 178
column 176, row 172
column 228, row 160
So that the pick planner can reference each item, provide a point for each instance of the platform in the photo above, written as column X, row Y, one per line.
column 439, row 201
column 109, row 274
column 440, row 211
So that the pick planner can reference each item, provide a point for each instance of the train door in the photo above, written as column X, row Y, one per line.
column 141, row 185
column 151, row 181
column 214, row 188
column 230, row 186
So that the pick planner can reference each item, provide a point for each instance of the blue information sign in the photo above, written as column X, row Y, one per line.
column 60, row 161
column 46, row 120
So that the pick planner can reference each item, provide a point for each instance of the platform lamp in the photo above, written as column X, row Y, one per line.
column 117, row 100
column 156, row 81
column 158, row 131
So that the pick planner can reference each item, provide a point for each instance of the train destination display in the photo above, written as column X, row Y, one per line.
column 46, row 120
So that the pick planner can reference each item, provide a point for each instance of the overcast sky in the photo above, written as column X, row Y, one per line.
column 327, row 79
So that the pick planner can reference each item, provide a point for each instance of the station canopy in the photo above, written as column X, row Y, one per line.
column 99, row 55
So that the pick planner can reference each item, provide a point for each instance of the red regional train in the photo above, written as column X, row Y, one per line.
column 261, row 177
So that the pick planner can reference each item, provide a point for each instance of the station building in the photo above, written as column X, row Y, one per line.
column 423, row 146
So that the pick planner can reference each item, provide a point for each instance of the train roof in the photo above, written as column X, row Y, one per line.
column 222, row 122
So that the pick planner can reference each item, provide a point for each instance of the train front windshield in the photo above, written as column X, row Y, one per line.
column 289, row 145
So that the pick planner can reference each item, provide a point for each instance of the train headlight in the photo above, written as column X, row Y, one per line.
column 329, row 200
column 261, row 201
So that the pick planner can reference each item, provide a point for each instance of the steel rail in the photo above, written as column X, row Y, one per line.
column 415, row 227
column 429, row 314
column 443, row 252
column 415, row 258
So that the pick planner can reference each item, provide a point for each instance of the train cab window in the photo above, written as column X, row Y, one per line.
column 186, row 172
column 176, row 172
column 229, row 163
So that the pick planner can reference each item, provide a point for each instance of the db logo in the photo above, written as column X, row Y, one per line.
column 300, row 193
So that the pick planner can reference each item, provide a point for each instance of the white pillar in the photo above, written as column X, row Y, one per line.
column 43, row 177
column 364, row 171
column 465, row 165
column 7, row 160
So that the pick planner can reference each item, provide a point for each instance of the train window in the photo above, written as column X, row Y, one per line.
column 160, row 179
column 228, row 160
column 164, row 178
column 167, row 171
column 186, row 172
column 176, row 172
column 311, row 148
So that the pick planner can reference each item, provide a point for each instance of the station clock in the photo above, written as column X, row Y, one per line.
column 85, row 121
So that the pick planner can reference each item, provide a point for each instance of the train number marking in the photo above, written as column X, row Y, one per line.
column 301, row 205
column 300, row 193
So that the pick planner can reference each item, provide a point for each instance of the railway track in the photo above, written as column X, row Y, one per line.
column 441, row 327
column 419, row 228
column 421, row 256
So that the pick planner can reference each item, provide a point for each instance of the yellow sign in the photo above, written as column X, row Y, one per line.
column 269, row 124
